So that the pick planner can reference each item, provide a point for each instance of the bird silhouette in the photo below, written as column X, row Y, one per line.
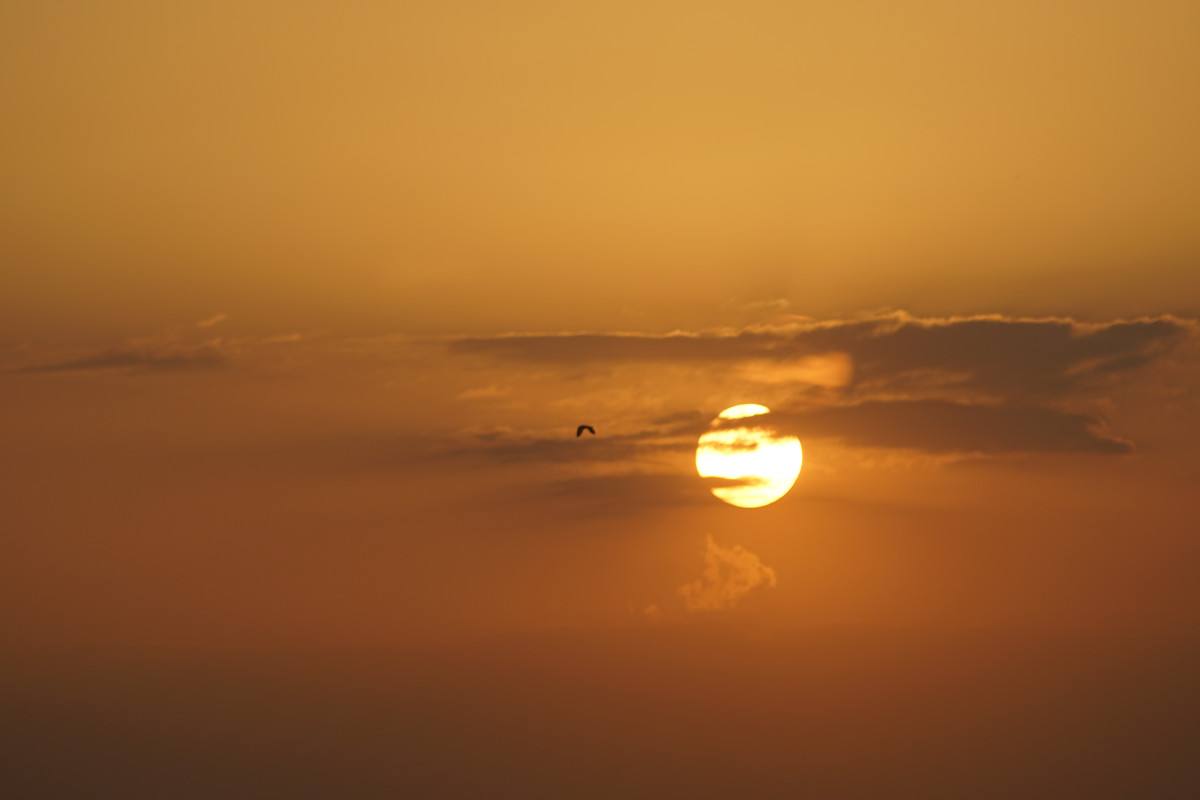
column 579, row 431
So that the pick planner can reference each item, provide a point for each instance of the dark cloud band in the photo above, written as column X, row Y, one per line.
column 1008, row 356
column 206, row 357
column 935, row 426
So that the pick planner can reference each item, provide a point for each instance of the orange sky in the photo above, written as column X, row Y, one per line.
column 446, row 166
column 303, row 301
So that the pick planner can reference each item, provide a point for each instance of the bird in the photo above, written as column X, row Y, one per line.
column 579, row 431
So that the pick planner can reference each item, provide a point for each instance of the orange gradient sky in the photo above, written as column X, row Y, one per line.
column 303, row 301
column 451, row 166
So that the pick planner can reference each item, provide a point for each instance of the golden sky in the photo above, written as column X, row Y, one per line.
column 302, row 303
column 448, row 166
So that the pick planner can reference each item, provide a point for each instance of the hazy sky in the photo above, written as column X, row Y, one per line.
column 449, row 166
column 302, row 302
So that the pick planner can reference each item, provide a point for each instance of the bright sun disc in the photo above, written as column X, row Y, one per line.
column 764, row 465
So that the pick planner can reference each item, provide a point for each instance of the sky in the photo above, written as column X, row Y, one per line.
column 302, row 304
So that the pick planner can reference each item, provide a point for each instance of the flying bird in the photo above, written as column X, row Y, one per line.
column 579, row 431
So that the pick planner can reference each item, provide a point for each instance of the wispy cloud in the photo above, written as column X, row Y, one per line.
column 279, row 338
column 490, row 392
column 664, row 435
column 730, row 573
column 938, row 426
column 213, row 321
column 138, row 359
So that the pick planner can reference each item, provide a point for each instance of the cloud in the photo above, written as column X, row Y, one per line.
column 829, row 370
column 625, row 493
column 971, row 384
column 163, row 351
column 928, row 426
column 937, row 426
column 145, row 358
column 490, row 392
column 674, row 433
column 567, row 448
column 652, row 612
column 214, row 320
column 280, row 338
column 997, row 355
column 730, row 573
column 777, row 305
column 138, row 359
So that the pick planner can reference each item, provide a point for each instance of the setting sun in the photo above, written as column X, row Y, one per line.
column 764, row 464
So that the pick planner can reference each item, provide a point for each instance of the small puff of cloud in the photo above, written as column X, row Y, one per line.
column 730, row 573
column 489, row 392
column 214, row 320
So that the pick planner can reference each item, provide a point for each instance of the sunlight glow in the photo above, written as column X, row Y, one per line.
column 765, row 465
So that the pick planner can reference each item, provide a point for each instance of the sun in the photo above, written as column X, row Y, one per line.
column 763, row 465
